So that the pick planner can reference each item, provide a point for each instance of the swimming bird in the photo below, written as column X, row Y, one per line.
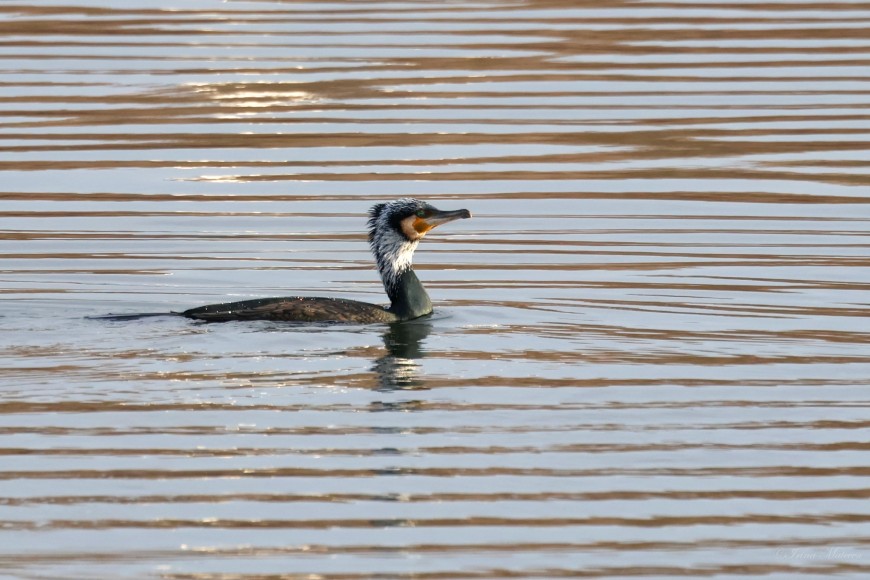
column 394, row 231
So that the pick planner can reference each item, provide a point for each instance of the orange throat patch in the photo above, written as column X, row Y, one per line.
column 415, row 227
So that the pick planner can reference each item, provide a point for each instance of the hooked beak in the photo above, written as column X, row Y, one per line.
column 415, row 227
column 442, row 217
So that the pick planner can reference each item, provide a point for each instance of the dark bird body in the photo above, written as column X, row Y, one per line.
column 309, row 309
column 395, row 229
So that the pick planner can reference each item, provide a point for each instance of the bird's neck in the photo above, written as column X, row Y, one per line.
column 408, row 298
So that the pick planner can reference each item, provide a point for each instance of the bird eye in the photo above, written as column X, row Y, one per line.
column 421, row 213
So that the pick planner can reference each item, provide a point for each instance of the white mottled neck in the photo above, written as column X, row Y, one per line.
column 394, row 255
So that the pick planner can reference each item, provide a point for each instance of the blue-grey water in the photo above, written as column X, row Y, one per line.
column 650, row 355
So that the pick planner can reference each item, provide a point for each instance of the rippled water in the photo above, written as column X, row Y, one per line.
column 650, row 354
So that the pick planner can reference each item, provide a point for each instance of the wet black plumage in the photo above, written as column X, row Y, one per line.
column 395, row 229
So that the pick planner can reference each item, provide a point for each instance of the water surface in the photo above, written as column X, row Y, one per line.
column 650, row 352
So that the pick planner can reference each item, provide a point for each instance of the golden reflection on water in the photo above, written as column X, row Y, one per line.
column 655, row 322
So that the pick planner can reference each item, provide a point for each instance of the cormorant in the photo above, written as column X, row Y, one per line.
column 395, row 229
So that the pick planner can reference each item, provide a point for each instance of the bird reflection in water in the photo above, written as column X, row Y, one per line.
column 398, row 369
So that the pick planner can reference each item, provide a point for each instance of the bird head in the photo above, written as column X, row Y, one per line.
column 395, row 229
